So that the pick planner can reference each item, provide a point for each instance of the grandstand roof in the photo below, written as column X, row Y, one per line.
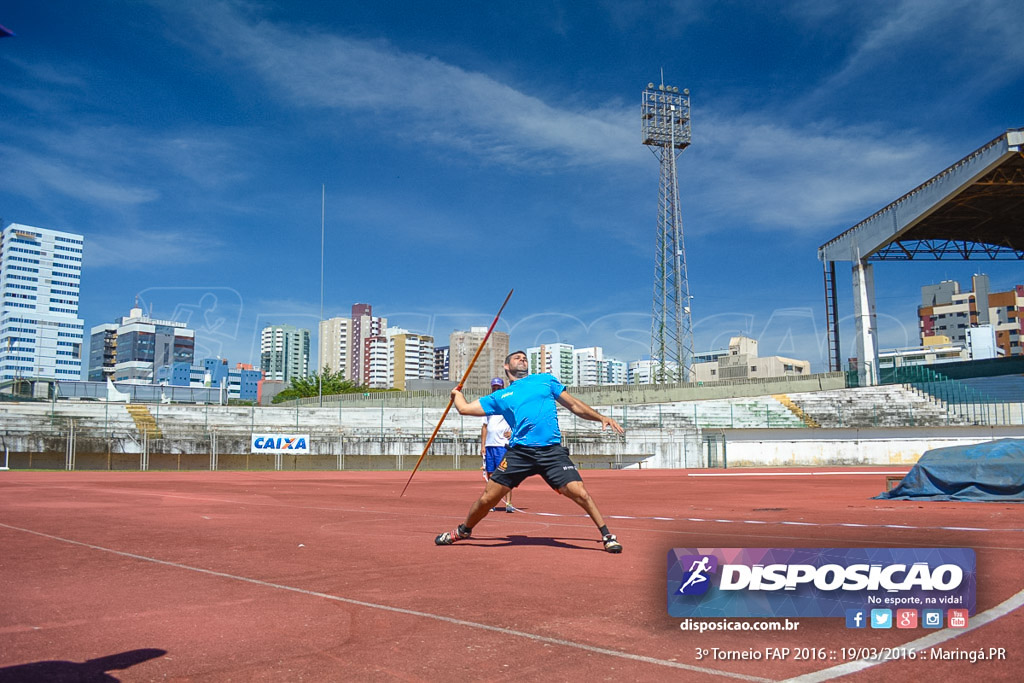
column 972, row 210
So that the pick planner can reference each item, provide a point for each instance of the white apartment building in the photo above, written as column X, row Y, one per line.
column 376, row 368
column 590, row 367
column 284, row 352
column 40, row 331
column 556, row 359
column 334, row 347
column 410, row 356
column 648, row 371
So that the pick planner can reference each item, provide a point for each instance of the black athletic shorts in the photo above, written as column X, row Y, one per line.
column 550, row 462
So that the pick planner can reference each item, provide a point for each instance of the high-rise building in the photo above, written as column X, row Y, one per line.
column 133, row 346
column 647, row 371
column 410, row 357
column 334, row 346
column 615, row 371
column 144, row 343
column 590, row 367
column 363, row 326
column 102, row 352
column 556, row 359
column 376, row 373
column 463, row 344
column 40, row 331
column 284, row 352
column 946, row 311
column 441, row 362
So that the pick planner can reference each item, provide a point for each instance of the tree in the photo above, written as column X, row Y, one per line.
column 308, row 386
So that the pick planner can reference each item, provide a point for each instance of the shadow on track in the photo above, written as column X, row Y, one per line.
column 520, row 540
column 91, row 671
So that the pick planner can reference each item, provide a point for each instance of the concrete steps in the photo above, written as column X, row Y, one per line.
column 144, row 421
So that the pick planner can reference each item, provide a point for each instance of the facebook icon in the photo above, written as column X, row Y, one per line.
column 856, row 618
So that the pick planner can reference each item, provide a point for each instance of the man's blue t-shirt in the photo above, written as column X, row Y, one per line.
column 528, row 404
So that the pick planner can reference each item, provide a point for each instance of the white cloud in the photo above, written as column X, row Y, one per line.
column 983, row 34
column 773, row 175
column 138, row 249
column 406, row 94
column 36, row 175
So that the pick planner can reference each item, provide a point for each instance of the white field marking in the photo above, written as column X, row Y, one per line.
column 930, row 640
column 762, row 535
column 400, row 610
column 781, row 474
column 551, row 514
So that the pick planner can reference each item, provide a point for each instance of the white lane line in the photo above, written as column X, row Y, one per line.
column 784, row 474
column 928, row 641
column 400, row 610
column 552, row 514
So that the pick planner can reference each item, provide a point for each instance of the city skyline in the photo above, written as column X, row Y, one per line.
column 189, row 143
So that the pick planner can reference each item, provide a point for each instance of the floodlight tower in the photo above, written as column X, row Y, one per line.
column 666, row 130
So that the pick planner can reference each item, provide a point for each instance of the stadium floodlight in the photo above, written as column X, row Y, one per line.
column 665, row 117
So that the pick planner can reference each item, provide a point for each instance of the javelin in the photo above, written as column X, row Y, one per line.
column 462, row 381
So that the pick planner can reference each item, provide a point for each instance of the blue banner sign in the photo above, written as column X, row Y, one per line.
column 817, row 582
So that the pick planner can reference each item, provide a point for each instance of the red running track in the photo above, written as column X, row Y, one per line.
column 271, row 576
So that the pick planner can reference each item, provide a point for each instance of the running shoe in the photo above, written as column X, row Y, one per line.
column 459, row 533
column 611, row 544
column 509, row 508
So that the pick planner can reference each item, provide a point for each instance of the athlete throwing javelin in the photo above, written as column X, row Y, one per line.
column 528, row 404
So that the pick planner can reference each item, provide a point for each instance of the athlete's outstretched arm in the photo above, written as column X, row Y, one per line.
column 581, row 409
column 465, row 407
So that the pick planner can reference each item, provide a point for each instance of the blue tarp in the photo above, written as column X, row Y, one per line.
column 991, row 471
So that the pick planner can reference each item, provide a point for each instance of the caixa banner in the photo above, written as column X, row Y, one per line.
column 816, row 582
column 280, row 443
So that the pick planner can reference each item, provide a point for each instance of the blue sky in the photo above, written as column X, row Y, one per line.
column 468, row 148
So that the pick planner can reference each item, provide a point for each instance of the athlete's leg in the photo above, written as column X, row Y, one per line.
column 577, row 492
column 493, row 492
column 491, row 495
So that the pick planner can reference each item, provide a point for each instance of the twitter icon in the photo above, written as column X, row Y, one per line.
column 881, row 618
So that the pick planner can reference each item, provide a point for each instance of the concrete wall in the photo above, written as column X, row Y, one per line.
column 615, row 394
column 831, row 447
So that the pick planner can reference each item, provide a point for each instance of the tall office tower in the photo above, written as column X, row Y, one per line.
column 410, row 356
column 284, row 352
column 461, row 347
column 132, row 347
column 102, row 352
column 364, row 326
column 555, row 359
column 334, row 348
column 40, row 331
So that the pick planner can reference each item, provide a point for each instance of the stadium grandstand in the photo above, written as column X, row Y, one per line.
column 973, row 209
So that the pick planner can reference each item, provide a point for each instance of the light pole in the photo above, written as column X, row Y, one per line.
column 665, row 116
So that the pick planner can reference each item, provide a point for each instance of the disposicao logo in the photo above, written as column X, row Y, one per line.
column 817, row 582
column 696, row 580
